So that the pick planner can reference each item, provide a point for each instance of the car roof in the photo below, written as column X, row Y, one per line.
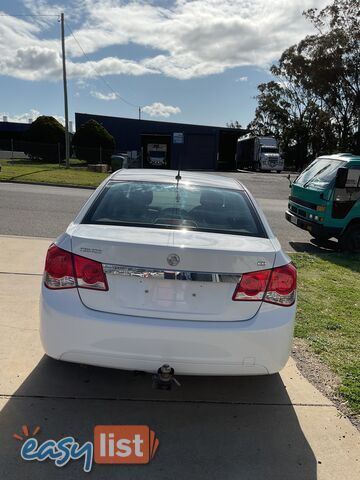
column 345, row 157
column 159, row 175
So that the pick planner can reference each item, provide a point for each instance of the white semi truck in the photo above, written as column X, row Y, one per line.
column 258, row 153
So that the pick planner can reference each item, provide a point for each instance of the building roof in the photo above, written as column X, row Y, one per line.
column 14, row 126
column 172, row 125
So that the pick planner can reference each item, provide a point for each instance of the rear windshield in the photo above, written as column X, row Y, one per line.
column 164, row 205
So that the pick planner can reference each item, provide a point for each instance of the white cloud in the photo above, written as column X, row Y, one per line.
column 242, row 79
column 80, row 83
column 31, row 63
column 104, row 96
column 158, row 109
column 32, row 114
column 106, row 66
column 188, row 38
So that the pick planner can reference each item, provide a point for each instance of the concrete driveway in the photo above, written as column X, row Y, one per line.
column 249, row 428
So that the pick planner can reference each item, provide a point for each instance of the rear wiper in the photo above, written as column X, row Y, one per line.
column 316, row 174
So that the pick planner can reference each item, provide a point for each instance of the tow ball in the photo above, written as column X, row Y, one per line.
column 164, row 379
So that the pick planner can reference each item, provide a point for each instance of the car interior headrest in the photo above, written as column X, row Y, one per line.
column 141, row 197
column 211, row 199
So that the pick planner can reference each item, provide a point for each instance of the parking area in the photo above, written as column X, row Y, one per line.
column 277, row 427
column 43, row 211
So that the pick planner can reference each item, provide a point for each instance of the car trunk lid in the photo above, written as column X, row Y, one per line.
column 177, row 274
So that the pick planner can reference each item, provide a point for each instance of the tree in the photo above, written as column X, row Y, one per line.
column 43, row 138
column 332, row 66
column 286, row 111
column 232, row 124
column 93, row 143
column 313, row 105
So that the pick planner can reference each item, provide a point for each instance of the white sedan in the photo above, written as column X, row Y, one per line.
column 160, row 268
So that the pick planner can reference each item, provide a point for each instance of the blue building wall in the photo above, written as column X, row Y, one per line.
column 199, row 150
column 16, row 127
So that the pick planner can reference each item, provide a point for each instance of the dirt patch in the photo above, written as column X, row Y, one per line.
column 319, row 375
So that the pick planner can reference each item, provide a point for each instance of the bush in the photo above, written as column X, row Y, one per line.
column 93, row 143
column 42, row 139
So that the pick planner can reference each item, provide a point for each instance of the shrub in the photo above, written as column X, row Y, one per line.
column 93, row 143
column 42, row 139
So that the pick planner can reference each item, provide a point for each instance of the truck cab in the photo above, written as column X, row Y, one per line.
column 269, row 155
column 325, row 200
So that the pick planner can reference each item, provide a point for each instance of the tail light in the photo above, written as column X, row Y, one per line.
column 66, row 270
column 277, row 286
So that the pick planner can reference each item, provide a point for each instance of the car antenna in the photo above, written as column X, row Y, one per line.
column 178, row 178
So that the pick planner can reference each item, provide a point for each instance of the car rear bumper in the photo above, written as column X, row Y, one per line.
column 72, row 332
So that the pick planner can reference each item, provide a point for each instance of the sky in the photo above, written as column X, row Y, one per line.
column 187, row 61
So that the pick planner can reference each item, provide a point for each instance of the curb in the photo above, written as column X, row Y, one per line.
column 84, row 187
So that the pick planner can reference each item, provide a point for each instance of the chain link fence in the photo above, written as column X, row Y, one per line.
column 36, row 152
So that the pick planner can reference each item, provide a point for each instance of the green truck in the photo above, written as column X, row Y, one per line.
column 325, row 200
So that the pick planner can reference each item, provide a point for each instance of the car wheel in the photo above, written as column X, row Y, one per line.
column 350, row 240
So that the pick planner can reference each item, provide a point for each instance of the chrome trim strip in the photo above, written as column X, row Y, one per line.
column 159, row 274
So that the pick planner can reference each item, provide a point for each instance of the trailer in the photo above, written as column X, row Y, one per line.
column 259, row 154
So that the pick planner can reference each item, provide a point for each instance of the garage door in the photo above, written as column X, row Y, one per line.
column 200, row 152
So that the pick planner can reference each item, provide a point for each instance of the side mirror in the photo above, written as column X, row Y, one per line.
column 341, row 177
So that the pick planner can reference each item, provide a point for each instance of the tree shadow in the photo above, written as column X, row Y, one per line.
column 15, row 177
column 212, row 427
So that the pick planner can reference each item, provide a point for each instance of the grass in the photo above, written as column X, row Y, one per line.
column 328, row 315
column 23, row 170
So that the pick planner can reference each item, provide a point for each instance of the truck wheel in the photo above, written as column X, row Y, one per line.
column 350, row 240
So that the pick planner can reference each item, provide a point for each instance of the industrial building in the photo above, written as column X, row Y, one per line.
column 170, row 145
column 14, row 130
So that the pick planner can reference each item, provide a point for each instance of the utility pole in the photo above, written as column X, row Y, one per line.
column 67, row 139
column 139, row 113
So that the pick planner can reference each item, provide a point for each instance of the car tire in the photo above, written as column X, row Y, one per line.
column 350, row 239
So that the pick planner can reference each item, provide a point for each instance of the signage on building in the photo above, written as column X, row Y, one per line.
column 178, row 137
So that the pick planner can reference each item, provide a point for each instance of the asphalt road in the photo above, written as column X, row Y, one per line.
column 42, row 211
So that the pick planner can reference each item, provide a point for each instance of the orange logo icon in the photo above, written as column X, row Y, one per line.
column 124, row 444
column 26, row 432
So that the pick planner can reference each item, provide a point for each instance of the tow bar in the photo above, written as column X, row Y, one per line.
column 164, row 379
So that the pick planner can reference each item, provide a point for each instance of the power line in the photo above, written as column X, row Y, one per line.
column 29, row 15
column 99, row 74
